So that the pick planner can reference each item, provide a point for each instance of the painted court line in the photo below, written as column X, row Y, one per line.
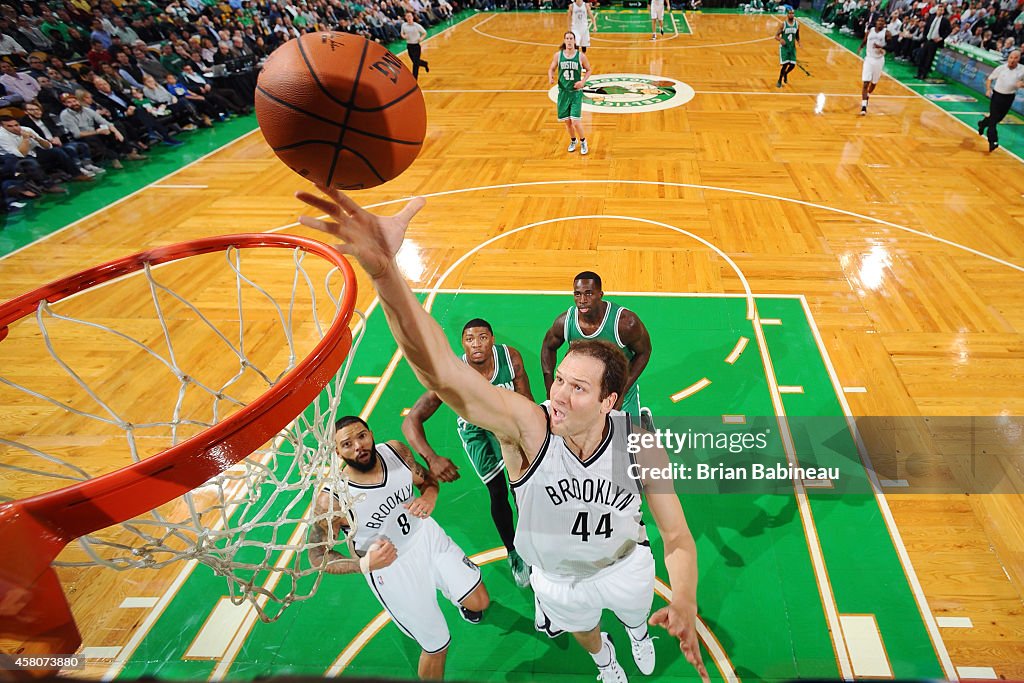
column 894, row 483
column 129, row 196
column 919, row 95
column 867, row 651
column 734, row 355
column 981, row 672
column 690, row 390
column 817, row 556
column 734, row 419
column 140, row 633
column 955, row 622
column 855, row 390
column 138, row 603
column 179, row 187
column 790, row 389
column 213, row 639
column 100, row 652
column 770, row 321
column 367, row 380
column 883, row 505
column 696, row 186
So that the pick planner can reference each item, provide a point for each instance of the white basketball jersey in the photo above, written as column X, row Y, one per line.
column 576, row 518
column 379, row 509
column 579, row 17
column 876, row 44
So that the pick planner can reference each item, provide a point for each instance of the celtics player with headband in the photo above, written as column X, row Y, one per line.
column 591, row 317
column 502, row 366
column 580, row 522
column 392, row 539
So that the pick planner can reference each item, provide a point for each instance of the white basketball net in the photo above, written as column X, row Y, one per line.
column 222, row 340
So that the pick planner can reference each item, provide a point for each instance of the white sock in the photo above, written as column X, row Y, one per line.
column 604, row 656
column 863, row 104
column 638, row 633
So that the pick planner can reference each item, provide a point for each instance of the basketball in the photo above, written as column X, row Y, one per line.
column 340, row 110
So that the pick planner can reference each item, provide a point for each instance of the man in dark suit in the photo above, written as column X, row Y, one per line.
column 936, row 29
column 49, row 128
column 139, row 122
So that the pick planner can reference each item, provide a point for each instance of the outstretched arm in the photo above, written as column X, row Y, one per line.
column 679, row 618
column 553, row 341
column 636, row 338
column 374, row 241
column 412, row 428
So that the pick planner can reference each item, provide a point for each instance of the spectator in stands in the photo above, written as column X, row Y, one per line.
column 36, row 66
column 18, row 83
column 77, row 45
column 145, row 61
column 98, row 55
column 1009, row 45
column 123, row 31
column 35, row 39
column 936, row 30
column 184, row 113
column 197, row 83
column 104, row 139
column 99, row 33
column 9, row 47
column 129, row 70
column 37, row 119
column 114, row 78
column 27, row 143
column 24, row 178
column 170, row 59
column 138, row 124
column 51, row 23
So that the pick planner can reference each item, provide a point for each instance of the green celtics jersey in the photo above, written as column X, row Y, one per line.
column 569, row 70
column 790, row 33
column 504, row 376
column 608, row 331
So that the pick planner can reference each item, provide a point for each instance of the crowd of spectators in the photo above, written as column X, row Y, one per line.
column 996, row 26
column 87, row 85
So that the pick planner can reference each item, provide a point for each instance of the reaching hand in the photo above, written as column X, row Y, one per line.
column 444, row 469
column 681, row 622
column 420, row 507
column 373, row 240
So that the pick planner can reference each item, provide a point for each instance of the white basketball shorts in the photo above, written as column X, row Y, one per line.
column 872, row 70
column 407, row 588
column 575, row 605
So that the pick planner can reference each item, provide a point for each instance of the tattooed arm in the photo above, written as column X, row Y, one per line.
column 424, row 480
column 323, row 534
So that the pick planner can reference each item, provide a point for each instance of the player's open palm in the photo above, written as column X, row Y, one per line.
column 373, row 240
column 681, row 623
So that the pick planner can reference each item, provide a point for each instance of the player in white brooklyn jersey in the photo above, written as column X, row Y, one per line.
column 581, row 22
column 406, row 556
column 563, row 456
column 875, row 39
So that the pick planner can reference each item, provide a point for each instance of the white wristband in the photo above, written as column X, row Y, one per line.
column 364, row 563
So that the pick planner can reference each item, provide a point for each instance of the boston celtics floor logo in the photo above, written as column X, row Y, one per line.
column 631, row 93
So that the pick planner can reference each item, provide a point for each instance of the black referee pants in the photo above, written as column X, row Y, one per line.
column 414, row 54
column 998, row 108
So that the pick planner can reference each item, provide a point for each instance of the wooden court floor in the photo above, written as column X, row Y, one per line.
column 903, row 234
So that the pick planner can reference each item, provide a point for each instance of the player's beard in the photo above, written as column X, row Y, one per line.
column 363, row 467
